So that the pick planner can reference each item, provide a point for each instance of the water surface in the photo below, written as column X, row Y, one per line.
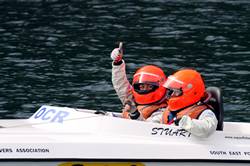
column 58, row 52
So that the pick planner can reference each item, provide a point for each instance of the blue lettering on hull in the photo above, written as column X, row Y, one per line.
column 51, row 115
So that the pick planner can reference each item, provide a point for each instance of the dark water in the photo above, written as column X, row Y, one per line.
column 58, row 52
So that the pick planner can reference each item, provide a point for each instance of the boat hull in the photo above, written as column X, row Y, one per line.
column 60, row 134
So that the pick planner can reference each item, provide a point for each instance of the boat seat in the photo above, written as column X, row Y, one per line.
column 216, row 102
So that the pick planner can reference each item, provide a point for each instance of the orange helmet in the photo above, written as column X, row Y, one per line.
column 153, row 77
column 185, row 87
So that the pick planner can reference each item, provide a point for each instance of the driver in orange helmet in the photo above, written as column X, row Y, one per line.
column 186, row 103
column 145, row 98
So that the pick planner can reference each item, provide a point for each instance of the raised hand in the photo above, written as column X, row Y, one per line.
column 117, row 54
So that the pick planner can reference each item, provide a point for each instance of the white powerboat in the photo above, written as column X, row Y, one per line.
column 57, row 134
column 63, row 136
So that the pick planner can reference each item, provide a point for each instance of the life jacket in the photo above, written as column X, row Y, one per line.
column 145, row 110
column 192, row 111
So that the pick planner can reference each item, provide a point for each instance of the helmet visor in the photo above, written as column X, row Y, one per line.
column 144, row 77
column 173, row 83
column 174, row 87
column 145, row 88
column 174, row 93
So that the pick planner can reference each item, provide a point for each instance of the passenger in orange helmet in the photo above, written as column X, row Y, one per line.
column 148, row 85
column 186, row 103
column 145, row 98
